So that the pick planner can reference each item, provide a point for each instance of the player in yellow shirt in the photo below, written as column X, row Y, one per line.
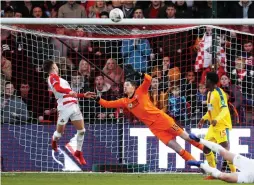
column 219, row 117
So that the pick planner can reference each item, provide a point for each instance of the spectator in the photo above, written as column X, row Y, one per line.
column 29, row 7
column 97, row 8
column 136, row 52
column 242, row 75
column 182, row 10
column 104, row 15
column 201, row 101
column 248, row 52
column 171, row 11
column 115, row 4
column 128, row 8
column 13, row 108
column 6, row 72
column 177, row 105
column 242, row 9
column 206, row 10
column 80, row 45
column 71, row 10
column 138, row 13
column 157, row 96
column 51, row 8
column 115, row 73
column 18, row 14
column 103, row 90
column 234, row 95
column 77, row 84
column 37, row 12
column 87, row 73
column 8, row 12
column 154, row 9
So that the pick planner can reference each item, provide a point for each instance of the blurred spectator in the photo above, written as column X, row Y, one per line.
column 171, row 11
column 37, row 12
column 234, row 95
column 97, row 8
column 154, row 9
column 182, row 10
column 104, row 15
column 205, row 50
column 242, row 75
column 242, row 9
column 205, row 9
column 201, row 101
column 51, row 8
column 29, row 7
column 13, row 108
column 103, row 90
column 18, row 14
column 6, row 72
column 114, row 72
column 79, row 45
column 9, row 12
column 136, row 52
column 177, row 105
column 77, row 84
column 71, row 10
column 138, row 13
column 157, row 96
column 115, row 4
column 87, row 73
column 248, row 52
column 128, row 8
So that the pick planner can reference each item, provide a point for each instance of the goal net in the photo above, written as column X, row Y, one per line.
column 92, row 57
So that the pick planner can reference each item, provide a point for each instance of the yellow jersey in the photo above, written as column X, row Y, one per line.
column 217, row 104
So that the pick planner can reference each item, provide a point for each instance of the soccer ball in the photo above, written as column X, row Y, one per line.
column 116, row 15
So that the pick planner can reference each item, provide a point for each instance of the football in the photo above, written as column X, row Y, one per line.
column 116, row 15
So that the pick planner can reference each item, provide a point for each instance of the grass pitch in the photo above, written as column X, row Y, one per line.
column 104, row 179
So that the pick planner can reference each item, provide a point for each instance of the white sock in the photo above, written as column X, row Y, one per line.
column 80, row 139
column 208, row 169
column 213, row 146
column 56, row 136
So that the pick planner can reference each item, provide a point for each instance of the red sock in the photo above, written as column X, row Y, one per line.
column 196, row 144
column 186, row 155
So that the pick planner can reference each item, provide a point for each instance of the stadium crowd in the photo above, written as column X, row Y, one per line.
column 178, row 62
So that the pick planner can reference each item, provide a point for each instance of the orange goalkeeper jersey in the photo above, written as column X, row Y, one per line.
column 141, row 106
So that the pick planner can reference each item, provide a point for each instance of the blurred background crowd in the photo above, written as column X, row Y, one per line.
column 178, row 62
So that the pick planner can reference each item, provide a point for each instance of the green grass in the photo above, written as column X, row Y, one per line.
column 104, row 179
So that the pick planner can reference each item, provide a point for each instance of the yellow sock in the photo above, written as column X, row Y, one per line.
column 210, row 159
column 232, row 167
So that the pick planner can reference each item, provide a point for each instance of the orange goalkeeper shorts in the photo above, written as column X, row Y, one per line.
column 165, row 129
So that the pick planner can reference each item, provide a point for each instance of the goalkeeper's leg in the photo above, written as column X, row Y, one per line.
column 186, row 137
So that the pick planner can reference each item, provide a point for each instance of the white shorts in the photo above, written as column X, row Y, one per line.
column 70, row 111
column 246, row 167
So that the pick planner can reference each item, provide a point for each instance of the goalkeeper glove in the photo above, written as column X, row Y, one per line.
column 129, row 71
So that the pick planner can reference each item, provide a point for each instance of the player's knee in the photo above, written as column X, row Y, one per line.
column 81, row 132
column 57, row 135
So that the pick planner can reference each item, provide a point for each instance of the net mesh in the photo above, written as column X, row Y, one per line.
column 178, row 57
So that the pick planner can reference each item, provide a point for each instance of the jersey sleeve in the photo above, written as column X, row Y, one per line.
column 112, row 104
column 54, row 79
column 146, row 83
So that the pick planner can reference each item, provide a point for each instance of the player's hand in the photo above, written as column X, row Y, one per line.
column 73, row 94
column 213, row 122
column 201, row 123
column 90, row 94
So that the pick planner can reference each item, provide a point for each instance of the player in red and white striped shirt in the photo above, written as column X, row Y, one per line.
column 67, row 107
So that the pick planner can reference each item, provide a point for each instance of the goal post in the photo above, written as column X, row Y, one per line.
column 91, row 53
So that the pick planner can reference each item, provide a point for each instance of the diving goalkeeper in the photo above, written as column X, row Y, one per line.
column 137, row 101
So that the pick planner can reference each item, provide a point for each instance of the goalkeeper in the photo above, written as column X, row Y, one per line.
column 219, row 116
column 244, row 164
column 139, row 104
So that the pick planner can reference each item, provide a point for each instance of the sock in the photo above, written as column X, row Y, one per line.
column 208, row 169
column 232, row 167
column 213, row 146
column 196, row 144
column 80, row 139
column 186, row 155
column 210, row 159
column 56, row 136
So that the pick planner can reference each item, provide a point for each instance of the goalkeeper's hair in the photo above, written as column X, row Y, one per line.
column 47, row 65
column 213, row 77
column 131, row 81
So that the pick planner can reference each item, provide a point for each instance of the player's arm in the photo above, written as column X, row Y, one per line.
column 110, row 104
column 55, row 82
